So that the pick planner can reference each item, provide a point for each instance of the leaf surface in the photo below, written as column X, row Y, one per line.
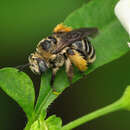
column 53, row 123
column 19, row 87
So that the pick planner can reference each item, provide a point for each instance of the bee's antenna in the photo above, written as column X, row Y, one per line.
column 21, row 67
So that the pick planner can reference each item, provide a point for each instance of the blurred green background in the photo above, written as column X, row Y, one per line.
column 22, row 25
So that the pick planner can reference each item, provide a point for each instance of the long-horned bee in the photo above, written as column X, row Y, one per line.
column 65, row 46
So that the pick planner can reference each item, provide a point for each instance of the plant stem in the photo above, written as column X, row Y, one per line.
column 29, row 123
column 103, row 111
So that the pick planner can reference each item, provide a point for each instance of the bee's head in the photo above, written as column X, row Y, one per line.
column 37, row 65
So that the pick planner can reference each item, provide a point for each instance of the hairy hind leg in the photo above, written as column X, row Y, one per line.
column 69, row 69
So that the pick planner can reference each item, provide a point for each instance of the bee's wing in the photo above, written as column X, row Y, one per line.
column 68, row 38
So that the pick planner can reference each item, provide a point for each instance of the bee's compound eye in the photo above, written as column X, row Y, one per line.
column 46, row 44
column 52, row 39
column 42, row 66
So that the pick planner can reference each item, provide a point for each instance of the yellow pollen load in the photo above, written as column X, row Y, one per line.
column 62, row 28
column 78, row 61
column 56, row 93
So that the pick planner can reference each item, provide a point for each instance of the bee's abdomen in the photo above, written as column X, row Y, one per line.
column 86, row 49
column 89, row 49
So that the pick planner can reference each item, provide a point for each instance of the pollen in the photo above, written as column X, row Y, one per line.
column 56, row 93
column 62, row 28
column 78, row 61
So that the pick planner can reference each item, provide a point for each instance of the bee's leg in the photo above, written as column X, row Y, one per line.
column 78, row 60
column 54, row 70
column 69, row 69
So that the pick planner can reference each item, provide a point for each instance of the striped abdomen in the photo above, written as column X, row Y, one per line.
column 86, row 49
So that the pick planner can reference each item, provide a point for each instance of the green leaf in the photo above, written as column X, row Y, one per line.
column 54, row 123
column 110, row 44
column 39, row 124
column 19, row 87
column 51, row 123
column 46, row 95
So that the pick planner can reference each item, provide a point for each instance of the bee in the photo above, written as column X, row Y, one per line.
column 66, row 46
